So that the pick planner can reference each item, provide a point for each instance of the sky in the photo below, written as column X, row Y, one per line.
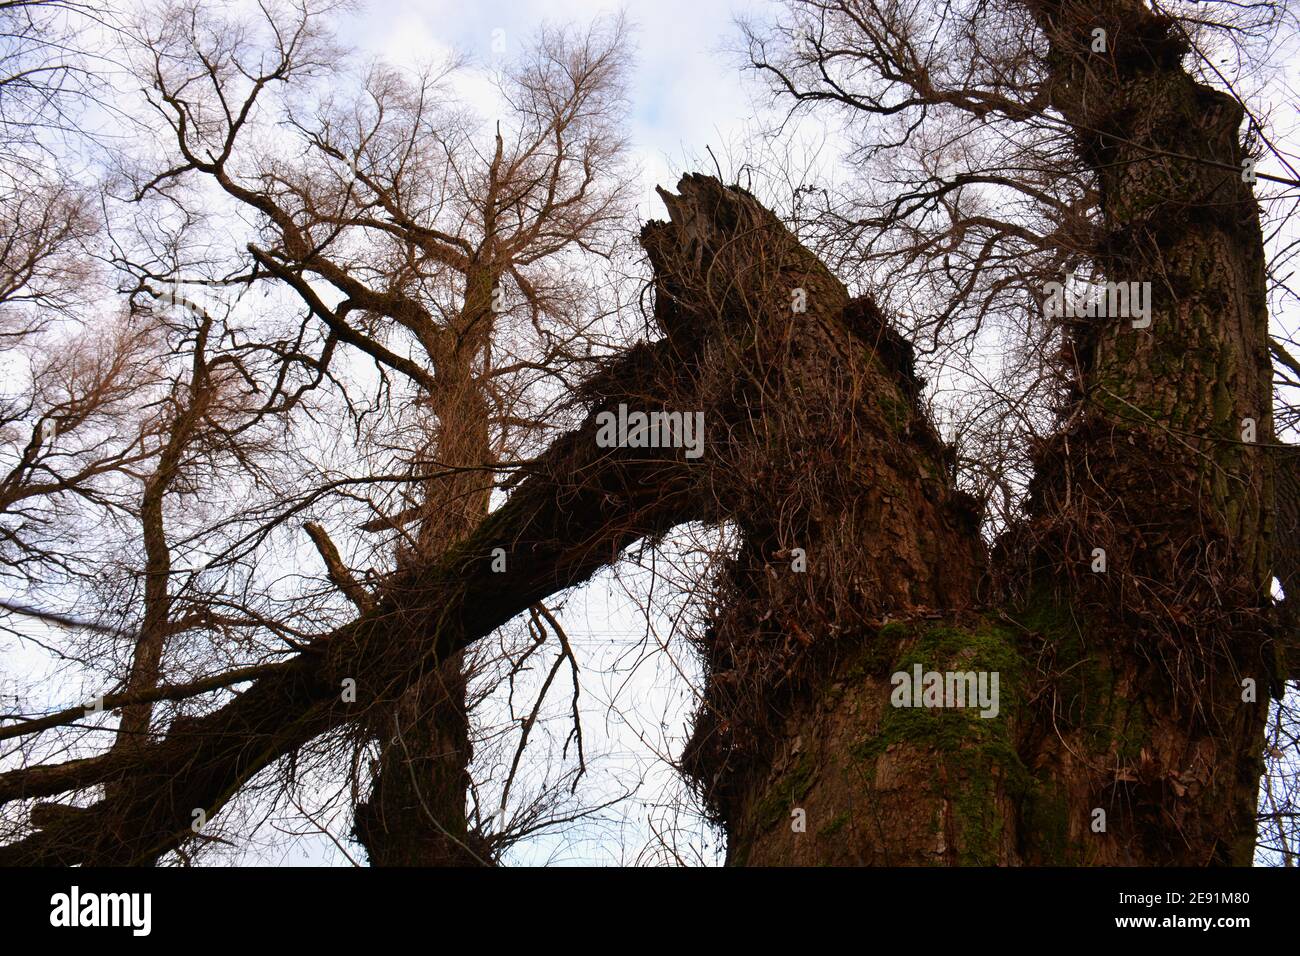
column 687, row 91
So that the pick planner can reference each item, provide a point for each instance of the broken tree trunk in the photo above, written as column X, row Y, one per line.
column 1131, row 631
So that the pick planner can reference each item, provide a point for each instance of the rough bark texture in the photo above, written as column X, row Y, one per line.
column 841, row 465
column 1152, row 464
column 801, row 645
column 1121, row 691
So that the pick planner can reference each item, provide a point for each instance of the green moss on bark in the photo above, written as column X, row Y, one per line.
column 781, row 798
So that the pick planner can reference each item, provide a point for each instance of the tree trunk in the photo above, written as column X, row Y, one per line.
column 191, row 403
column 415, row 814
column 1132, row 699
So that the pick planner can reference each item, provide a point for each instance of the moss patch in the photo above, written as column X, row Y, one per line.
column 1084, row 683
column 835, row 826
column 976, row 754
column 1045, row 825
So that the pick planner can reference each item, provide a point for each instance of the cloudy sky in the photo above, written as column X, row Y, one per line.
column 687, row 89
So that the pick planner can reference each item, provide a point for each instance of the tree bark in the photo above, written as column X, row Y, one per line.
column 1133, row 700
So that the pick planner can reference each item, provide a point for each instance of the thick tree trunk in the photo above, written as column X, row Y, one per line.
column 415, row 814
column 852, row 530
column 1132, row 700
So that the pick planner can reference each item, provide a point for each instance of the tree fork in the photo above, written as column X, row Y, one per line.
column 1133, row 691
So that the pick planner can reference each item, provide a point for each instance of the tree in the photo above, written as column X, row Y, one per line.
column 447, row 256
column 1124, row 609
column 1132, row 598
